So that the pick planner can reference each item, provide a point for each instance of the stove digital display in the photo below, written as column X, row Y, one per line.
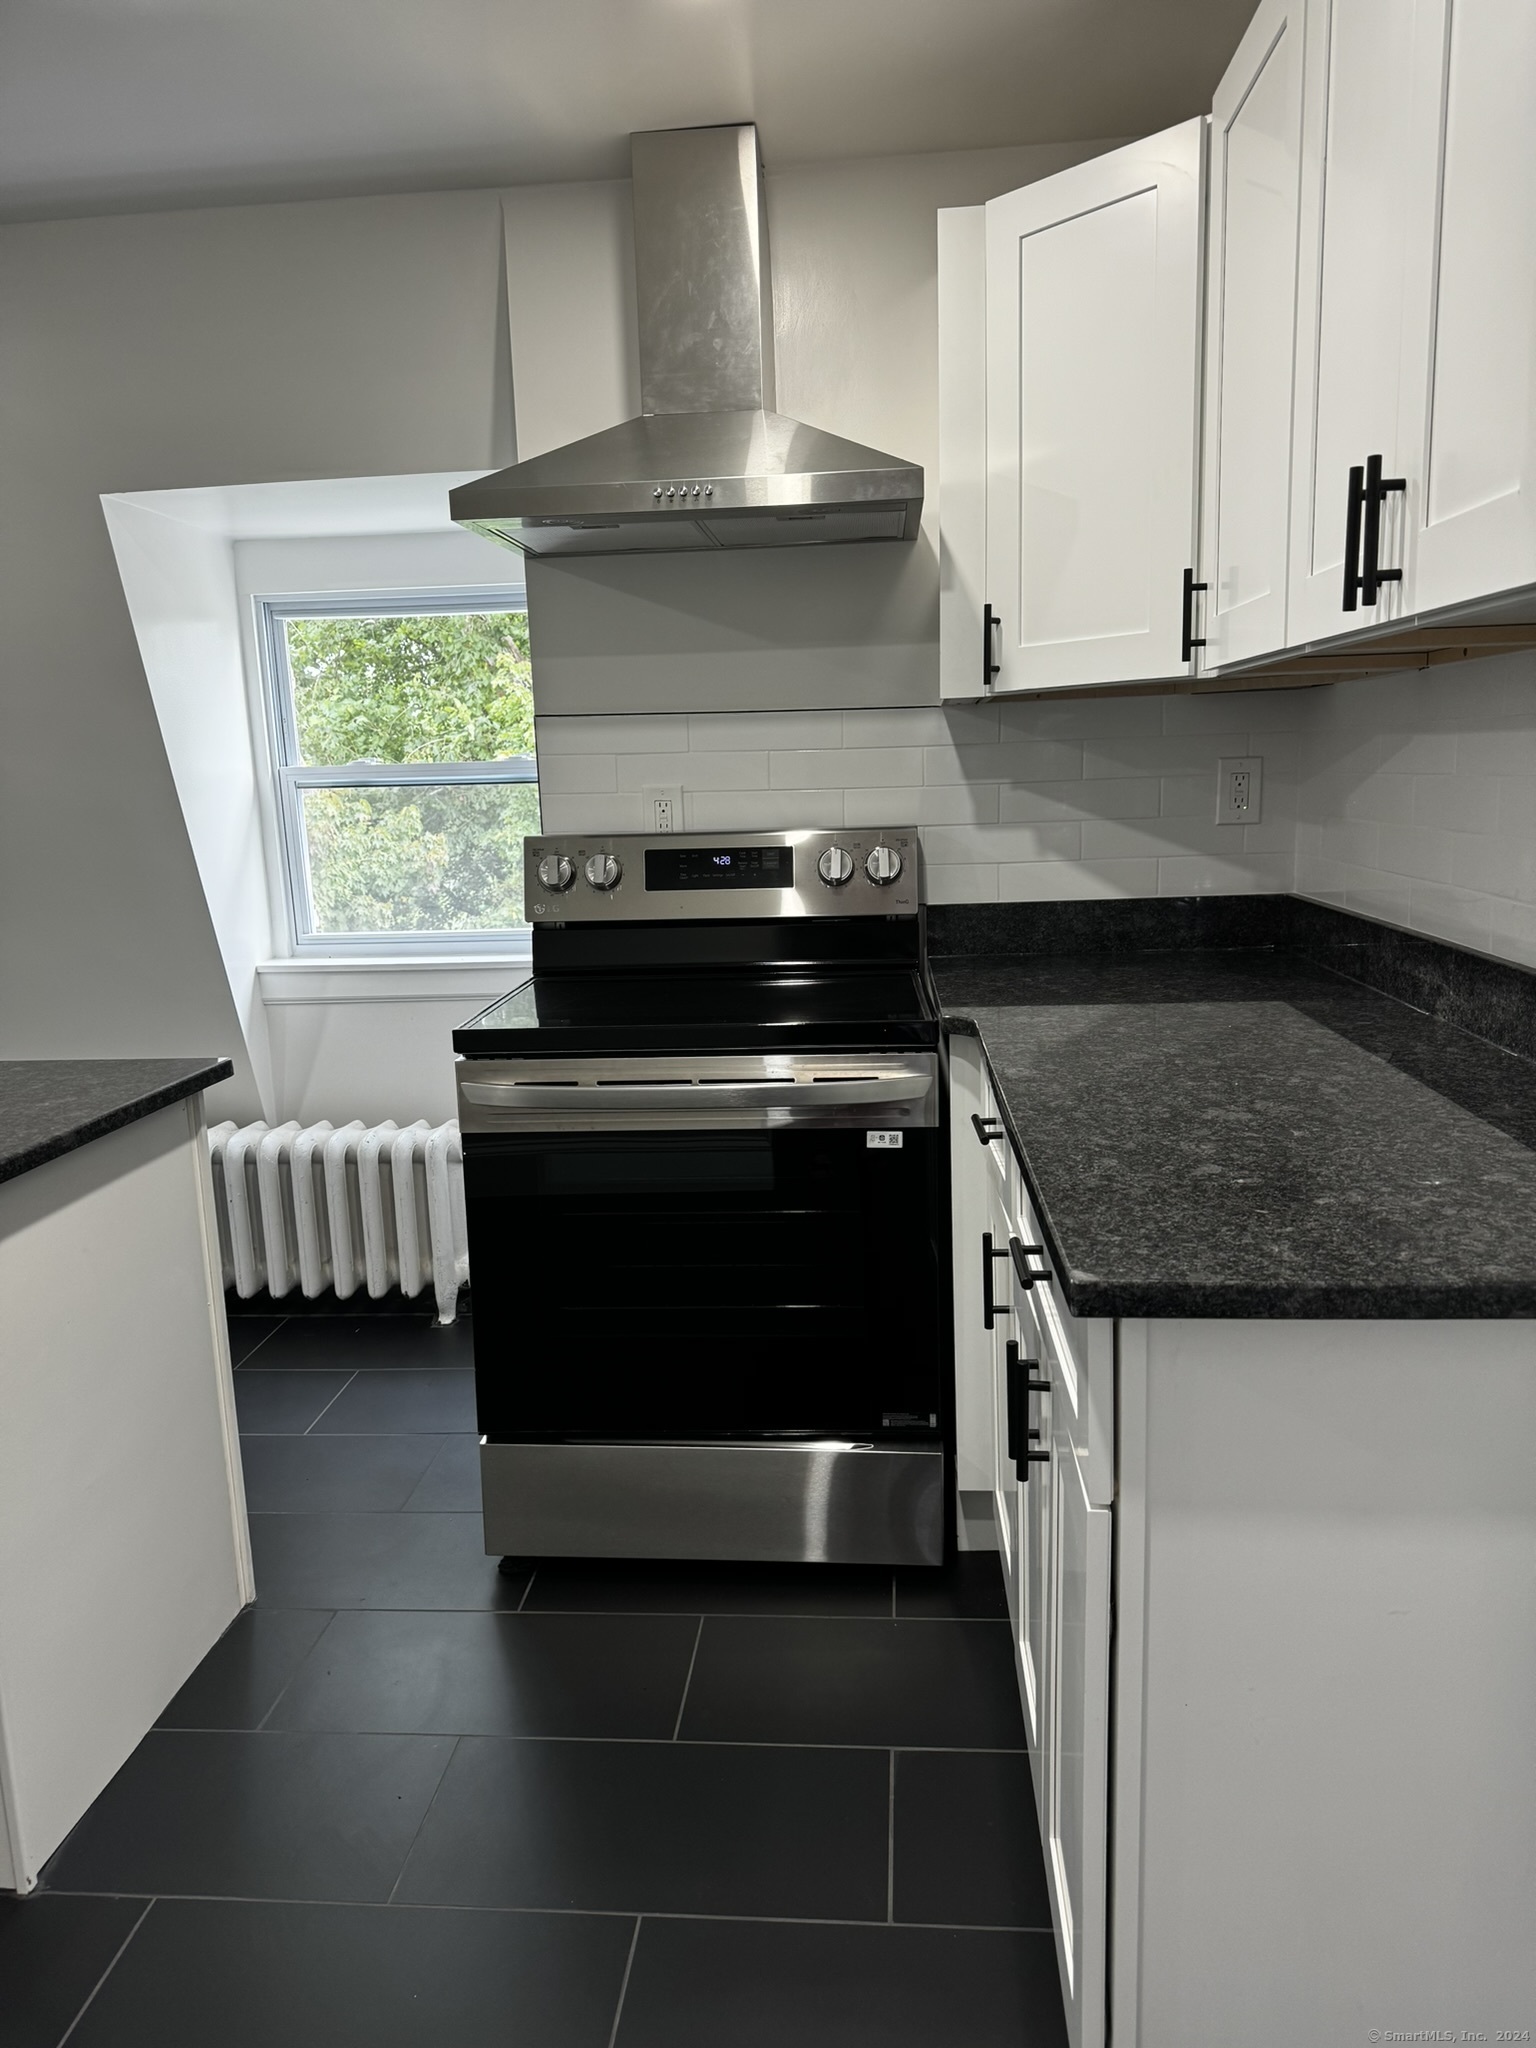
column 719, row 867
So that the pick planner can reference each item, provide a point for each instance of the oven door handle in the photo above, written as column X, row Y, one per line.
column 704, row 1096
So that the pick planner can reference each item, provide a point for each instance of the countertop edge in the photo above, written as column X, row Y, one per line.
column 1096, row 1299
column 13, row 1165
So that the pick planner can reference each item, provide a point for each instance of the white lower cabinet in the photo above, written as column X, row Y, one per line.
column 1268, row 1626
column 1077, row 1743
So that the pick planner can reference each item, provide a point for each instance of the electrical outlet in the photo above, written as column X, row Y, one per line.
column 1239, row 790
column 663, row 810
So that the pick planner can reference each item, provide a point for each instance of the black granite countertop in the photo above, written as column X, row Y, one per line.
column 1246, row 1133
column 49, row 1107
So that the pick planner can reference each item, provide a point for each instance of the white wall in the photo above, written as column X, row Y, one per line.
column 1418, row 802
column 1110, row 796
column 351, row 338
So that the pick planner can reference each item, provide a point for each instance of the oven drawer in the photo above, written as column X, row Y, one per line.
column 826, row 1503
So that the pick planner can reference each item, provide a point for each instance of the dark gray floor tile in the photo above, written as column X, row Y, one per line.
column 657, row 1827
column 435, row 1398
column 496, row 1674
column 588, row 1585
column 53, row 1953
column 241, row 1676
column 283, row 1403
column 970, row 1585
column 907, row 1684
column 256, row 1816
column 377, row 1561
column 729, row 1984
column 452, row 1481
column 248, row 1333
column 255, row 1976
column 968, row 1842
column 373, row 1343
column 310, row 1474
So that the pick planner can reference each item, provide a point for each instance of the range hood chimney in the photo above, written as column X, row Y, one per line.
column 709, row 463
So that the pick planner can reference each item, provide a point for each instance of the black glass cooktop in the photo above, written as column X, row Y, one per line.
column 858, row 1009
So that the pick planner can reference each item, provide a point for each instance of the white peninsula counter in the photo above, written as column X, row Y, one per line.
column 123, row 1546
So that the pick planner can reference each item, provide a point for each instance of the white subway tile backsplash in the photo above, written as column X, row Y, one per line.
column 1011, row 761
column 693, row 771
column 874, row 767
column 960, row 803
column 762, row 810
column 1002, row 842
column 737, row 731
column 1079, row 718
column 954, row 725
column 1455, row 914
column 576, row 774
column 1178, row 754
column 1048, row 802
column 1416, row 852
column 1075, row 881
column 1129, row 838
column 1456, row 803
column 643, row 733
column 1209, row 875
column 973, row 882
column 590, row 813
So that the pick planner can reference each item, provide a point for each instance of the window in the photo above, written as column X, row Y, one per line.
column 402, row 734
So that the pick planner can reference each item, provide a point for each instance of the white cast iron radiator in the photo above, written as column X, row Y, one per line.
column 316, row 1207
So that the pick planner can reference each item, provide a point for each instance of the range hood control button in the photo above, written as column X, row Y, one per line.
column 835, row 866
column 603, row 870
column 556, row 871
column 883, row 865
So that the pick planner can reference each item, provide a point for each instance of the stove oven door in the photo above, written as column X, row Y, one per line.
column 707, row 1305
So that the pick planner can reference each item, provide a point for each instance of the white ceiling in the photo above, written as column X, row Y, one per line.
column 107, row 105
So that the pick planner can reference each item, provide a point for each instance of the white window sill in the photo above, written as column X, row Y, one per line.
column 465, row 977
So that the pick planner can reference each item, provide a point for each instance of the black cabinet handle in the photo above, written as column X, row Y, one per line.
column 988, row 1129
column 1020, row 1381
column 1021, row 1255
column 990, row 1309
column 1188, row 640
column 989, row 667
column 1377, row 489
column 1363, row 573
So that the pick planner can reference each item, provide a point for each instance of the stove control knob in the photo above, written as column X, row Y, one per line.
column 883, row 865
column 603, row 870
column 556, row 872
column 835, row 866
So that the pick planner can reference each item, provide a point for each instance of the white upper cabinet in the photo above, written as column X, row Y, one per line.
column 1092, row 358
column 1469, row 387
column 1357, row 192
column 1250, row 350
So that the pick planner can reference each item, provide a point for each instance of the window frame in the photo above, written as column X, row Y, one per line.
column 291, row 776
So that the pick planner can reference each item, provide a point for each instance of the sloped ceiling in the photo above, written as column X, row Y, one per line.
column 111, row 105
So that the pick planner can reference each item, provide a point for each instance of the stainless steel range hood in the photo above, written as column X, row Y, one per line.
column 709, row 463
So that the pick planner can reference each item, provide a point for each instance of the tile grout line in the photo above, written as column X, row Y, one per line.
column 411, row 1850
column 559, row 1912
column 106, row 1973
column 629, row 1964
column 871, row 1748
column 526, row 1591
column 261, row 1727
column 259, row 1342
column 890, row 1849
column 351, row 1376
column 698, row 1636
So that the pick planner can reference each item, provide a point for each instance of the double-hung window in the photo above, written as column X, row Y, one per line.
column 402, row 736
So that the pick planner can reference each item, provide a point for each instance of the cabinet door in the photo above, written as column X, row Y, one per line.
column 1469, row 386
column 1352, row 301
column 1250, row 351
column 962, row 492
column 1077, row 1813
column 1005, row 1491
column 1032, row 1577
column 1093, row 310
column 973, row 1181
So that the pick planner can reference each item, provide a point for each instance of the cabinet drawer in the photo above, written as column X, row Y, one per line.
column 1077, row 1355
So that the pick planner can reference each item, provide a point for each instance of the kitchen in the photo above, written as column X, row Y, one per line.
column 1256, row 1088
